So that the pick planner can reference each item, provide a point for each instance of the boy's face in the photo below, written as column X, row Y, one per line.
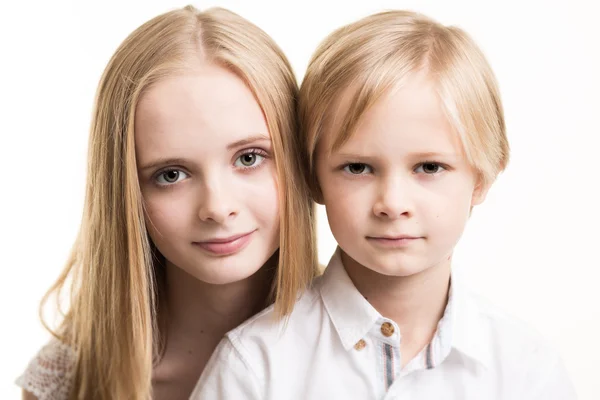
column 399, row 192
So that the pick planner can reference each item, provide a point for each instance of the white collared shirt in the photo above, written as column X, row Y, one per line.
column 337, row 346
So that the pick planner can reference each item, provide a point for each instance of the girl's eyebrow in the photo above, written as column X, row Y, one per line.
column 249, row 140
column 161, row 162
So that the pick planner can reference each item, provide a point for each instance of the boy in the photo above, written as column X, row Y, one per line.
column 404, row 134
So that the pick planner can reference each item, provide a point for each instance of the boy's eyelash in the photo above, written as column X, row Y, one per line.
column 444, row 166
column 420, row 164
column 347, row 163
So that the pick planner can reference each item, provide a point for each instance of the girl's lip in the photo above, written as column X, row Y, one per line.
column 226, row 246
column 224, row 240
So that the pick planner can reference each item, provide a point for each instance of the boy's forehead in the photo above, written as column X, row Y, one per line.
column 408, row 118
column 337, row 112
column 406, row 102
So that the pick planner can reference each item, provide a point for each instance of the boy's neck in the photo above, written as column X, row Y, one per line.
column 416, row 302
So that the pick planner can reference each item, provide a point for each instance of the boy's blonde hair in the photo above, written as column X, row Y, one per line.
column 368, row 57
column 116, row 271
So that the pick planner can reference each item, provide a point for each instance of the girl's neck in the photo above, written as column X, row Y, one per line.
column 199, row 308
column 194, row 316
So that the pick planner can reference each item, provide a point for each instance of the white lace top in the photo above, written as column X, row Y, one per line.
column 49, row 374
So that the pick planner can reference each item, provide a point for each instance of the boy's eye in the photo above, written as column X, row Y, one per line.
column 170, row 177
column 357, row 168
column 429, row 168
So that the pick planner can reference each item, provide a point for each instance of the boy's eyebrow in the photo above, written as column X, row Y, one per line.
column 356, row 156
column 433, row 154
column 424, row 154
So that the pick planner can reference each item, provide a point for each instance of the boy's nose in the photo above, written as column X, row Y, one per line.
column 392, row 200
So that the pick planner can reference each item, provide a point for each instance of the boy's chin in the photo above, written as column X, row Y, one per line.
column 391, row 266
column 396, row 271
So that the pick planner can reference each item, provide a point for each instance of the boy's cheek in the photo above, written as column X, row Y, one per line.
column 345, row 219
column 342, row 201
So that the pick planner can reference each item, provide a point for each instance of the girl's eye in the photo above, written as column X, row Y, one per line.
column 249, row 160
column 170, row 177
column 429, row 168
column 357, row 169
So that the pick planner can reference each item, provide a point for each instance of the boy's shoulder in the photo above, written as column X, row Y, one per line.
column 266, row 325
column 497, row 320
column 507, row 340
column 529, row 362
column 263, row 336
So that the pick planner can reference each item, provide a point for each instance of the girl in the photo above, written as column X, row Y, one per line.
column 193, row 188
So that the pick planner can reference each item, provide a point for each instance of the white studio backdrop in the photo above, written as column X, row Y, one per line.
column 531, row 248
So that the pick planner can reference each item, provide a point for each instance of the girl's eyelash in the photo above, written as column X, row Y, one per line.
column 163, row 171
column 168, row 169
column 256, row 150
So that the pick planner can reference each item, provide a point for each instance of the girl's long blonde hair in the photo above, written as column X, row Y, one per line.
column 115, row 270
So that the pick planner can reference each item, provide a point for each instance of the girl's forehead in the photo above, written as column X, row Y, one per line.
column 195, row 113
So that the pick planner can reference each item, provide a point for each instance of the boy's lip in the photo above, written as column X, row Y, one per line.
column 392, row 241
column 394, row 237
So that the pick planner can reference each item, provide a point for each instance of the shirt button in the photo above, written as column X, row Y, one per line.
column 361, row 344
column 387, row 329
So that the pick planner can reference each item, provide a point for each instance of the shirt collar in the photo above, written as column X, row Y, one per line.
column 351, row 314
column 460, row 328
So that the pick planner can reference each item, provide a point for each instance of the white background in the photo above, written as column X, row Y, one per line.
column 532, row 248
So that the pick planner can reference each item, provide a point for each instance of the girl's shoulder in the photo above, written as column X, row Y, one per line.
column 49, row 375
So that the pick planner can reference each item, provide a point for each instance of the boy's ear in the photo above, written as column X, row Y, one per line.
column 317, row 195
column 480, row 192
column 319, row 200
column 315, row 189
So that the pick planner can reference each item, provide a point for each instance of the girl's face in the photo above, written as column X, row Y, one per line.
column 207, row 175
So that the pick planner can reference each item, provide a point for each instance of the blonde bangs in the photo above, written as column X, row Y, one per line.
column 470, row 96
column 358, row 64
